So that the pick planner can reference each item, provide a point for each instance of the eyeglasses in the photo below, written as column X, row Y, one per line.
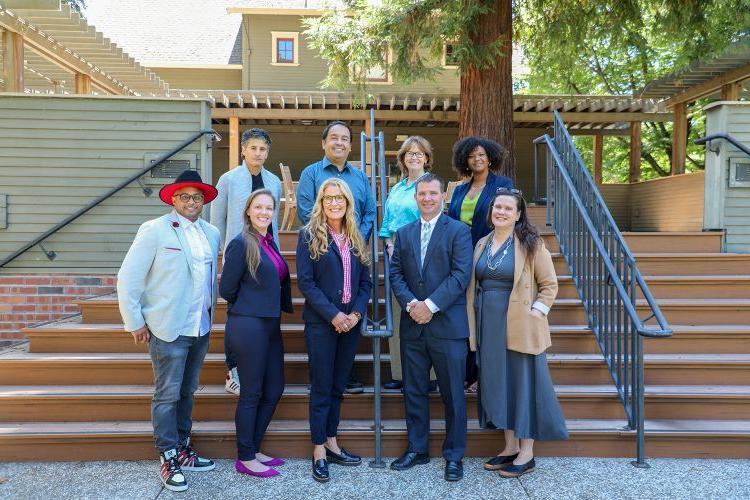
column 338, row 198
column 184, row 197
column 414, row 154
column 509, row 190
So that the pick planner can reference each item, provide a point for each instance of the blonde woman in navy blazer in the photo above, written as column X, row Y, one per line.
column 255, row 283
column 333, row 276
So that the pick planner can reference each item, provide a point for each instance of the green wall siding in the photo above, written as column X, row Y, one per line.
column 58, row 153
column 261, row 75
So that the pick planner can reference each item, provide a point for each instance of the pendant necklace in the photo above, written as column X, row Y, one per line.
column 494, row 265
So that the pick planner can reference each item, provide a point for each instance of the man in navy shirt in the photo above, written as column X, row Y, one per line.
column 337, row 144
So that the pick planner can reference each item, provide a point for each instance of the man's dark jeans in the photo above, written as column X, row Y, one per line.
column 177, row 366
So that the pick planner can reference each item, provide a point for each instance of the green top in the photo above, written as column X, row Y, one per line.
column 467, row 209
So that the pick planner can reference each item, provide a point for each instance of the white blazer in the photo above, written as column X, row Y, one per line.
column 155, row 274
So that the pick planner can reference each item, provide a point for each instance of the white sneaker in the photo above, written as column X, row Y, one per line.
column 232, row 384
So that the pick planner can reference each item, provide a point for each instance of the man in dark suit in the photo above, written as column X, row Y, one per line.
column 430, row 270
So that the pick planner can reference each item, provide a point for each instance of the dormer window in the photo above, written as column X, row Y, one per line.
column 285, row 48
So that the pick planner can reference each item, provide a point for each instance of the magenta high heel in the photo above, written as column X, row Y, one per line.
column 274, row 462
column 240, row 467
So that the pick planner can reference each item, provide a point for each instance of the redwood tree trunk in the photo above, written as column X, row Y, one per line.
column 487, row 94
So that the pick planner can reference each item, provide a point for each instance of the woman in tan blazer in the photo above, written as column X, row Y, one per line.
column 511, row 291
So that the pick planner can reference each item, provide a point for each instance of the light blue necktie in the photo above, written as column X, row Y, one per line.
column 424, row 241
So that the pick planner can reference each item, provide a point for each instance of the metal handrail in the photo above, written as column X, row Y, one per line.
column 38, row 240
column 376, row 327
column 726, row 137
column 604, row 271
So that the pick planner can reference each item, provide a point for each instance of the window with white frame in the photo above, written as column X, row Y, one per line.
column 285, row 48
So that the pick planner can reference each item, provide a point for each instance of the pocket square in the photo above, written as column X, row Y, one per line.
column 173, row 248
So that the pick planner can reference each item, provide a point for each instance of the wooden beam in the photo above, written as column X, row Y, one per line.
column 679, row 138
column 13, row 61
column 635, row 152
column 598, row 152
column 731, row 91
column 426, row 115
column 710, row 86
column 234, row 141
column 83, row 84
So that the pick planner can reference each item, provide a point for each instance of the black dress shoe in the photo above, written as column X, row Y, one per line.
column 512, row 470
column 320, row 470
column 394, row 385
column 454, row 470
column 499, row 461
column 343, row 458
column 409, row 460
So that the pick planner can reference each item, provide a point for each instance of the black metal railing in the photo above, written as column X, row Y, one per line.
column 604, row 272
column 376, row 326
column 725, row 137
column 133, row 178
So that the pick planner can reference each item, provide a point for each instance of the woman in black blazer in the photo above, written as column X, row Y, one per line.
column 478, row 159
column 333, row 276
column 255, row 283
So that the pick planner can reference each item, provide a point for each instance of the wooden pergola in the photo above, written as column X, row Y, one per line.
column 597, row 116
column 722, row 77
column 48, row 48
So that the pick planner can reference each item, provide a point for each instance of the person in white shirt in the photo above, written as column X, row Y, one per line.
column 167, row 289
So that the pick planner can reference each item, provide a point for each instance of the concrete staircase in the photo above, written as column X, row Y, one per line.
column 81, row 391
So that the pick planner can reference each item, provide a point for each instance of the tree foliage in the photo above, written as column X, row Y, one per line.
column 78, row 6
column 616, row 47
column 610, row 47
column 355, row 40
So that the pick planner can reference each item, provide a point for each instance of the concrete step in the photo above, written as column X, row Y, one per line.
column 60, row 441
column 22, row 368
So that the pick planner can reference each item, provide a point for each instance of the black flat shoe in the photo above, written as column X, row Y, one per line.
column 512, row 470
column 320, row 470
column 409, row 460
column 454, row 470
column 393, row 385
column 499, row 461
column 343, row 458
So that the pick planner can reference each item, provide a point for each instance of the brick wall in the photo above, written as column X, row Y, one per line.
column 35, row 298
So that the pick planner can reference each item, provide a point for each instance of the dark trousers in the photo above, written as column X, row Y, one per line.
column 177, row 366
column 259, row 351
column 331, row 357
column 448, row 357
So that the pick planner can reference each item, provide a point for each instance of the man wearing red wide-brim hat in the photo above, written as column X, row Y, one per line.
column 167, row 291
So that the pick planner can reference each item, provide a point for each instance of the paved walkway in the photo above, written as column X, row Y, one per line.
column 555, row 478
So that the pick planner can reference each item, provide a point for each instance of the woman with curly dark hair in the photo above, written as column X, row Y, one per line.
column 478, row 159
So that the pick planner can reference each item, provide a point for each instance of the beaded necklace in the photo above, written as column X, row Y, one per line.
column 494, row 265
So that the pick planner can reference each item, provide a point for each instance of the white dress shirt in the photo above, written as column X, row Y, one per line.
column 430, row 304
column 198, row 321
